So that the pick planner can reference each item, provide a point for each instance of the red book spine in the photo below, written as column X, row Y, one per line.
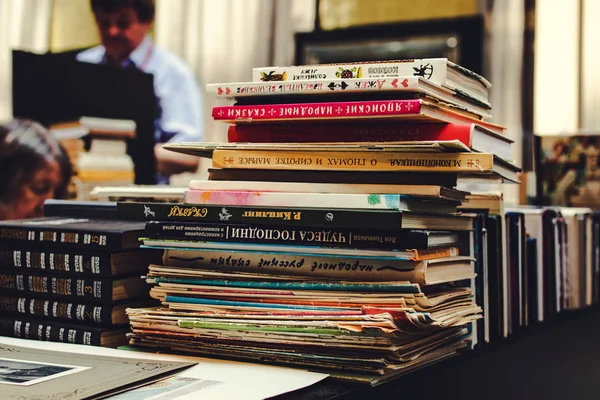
column 372, row 132
column 317, row 110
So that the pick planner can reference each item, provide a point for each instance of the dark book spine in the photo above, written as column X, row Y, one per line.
column 80, row 209
column 49, row 331
column 341, row 238
column 57, row 309
column 71, row 262
column 64, row 287
column 36, row 234
column 274, row 216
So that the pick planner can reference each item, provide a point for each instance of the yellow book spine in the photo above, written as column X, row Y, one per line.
column 431, row 254
column 352, row 160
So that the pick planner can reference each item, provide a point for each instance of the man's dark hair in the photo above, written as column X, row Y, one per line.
column 143, row 8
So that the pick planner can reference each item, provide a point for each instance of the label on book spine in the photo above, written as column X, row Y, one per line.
column 61, row 286
column 60, row 262
column 318, row 110
column 353, row 160
column 276, row 216
column 342, row 238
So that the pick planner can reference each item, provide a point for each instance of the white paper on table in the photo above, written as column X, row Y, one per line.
column 236, row 379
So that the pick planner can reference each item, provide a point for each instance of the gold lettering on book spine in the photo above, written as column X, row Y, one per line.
column 194, row 212
column 13, row 233
column 8, row 303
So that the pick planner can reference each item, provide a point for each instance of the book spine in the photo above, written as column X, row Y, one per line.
column 79, row 209
column 276, row 216
column 278, row 133
column 341, row 238
column 432, row 69
column 282, row 199
column 64, row 287
column 67, row 238
column 353, row 160
column 49, row 331
column 308, row 111
column 242, row 89
column 56, row 309
column 342, row 267
column 72, row 263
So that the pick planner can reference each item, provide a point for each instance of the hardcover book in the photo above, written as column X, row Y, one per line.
column 413, row 110
column 323, row 200
column 99, row 290
column 438, row 70
column 392, row 238
column 269, row 92
column 57, row 331
column 406, row 196
column 474, row 136
column 419, row 241
column 291, row 216
column 472, row 164
column 76, row 312
column 426, row 272
column 76, row 262
column 83, row 233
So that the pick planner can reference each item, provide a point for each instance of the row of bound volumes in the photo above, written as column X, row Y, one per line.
column 71, row 277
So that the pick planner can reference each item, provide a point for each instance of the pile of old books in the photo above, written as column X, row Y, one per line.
column 70, row 279
column 329, row 234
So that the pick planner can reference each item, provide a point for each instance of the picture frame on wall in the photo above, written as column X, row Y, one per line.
column 461, row 40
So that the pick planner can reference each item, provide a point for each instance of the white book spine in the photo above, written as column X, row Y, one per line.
column 434, row 69
column 324, row 200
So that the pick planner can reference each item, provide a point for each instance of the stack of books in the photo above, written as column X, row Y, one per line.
column 329, row 234
column 97, row 148
column 70, row 279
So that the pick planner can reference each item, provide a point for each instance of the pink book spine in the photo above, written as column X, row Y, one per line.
column 318, row 110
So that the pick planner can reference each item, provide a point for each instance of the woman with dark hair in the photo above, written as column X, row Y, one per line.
column 33, row 167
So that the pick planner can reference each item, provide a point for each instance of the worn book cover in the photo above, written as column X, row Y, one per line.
column 83, row 233
column 399, row 87
column 28, row 373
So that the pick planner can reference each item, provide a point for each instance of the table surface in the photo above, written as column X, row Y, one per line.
column 559, row 359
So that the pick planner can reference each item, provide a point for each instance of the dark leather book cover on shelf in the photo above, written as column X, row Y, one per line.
column 596, row 256
column 495, row 276
column 82, row 233
column 515, row 226
column 77, row 262
column 80, row 312
column 80, row 209
column 532, row 297
column 478, row 250
column 96, row 290
column 55, row 331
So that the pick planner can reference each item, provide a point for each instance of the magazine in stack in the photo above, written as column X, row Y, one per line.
column 330, row 234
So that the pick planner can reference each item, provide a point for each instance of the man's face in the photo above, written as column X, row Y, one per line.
column 121, row 31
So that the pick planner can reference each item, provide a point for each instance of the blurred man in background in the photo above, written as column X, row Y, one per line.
column 124, row 27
